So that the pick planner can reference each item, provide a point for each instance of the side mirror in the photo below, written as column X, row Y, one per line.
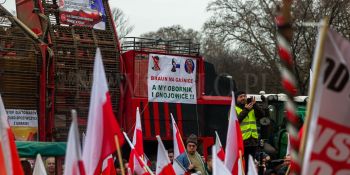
column 272, row 112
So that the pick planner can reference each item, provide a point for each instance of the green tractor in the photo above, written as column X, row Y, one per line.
column 272, row 127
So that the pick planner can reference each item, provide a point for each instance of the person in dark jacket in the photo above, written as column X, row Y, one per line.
column 209, row 165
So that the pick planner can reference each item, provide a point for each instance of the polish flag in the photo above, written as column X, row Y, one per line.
column 137, row 141
column 39, row 168
column 138, row 158
column 10, row 159
column 179, row 146
column 108, row 166
column 218, row 166
column 220, row 150
column 234, row 141
column 73, row 163
column 102, row 124
column 164, row 166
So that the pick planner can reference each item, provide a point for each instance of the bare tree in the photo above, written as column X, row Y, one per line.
column 121, row 22
column 248, row 28
column 175, row 32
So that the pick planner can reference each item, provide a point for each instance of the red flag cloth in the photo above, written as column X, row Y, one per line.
column 7, row 141
column 234, row 140
column 102, row 124
column 2, row 162
column 179, row 146
column 219, row 149
column 218, row 166
column 137, row 141
column 73, row 152
column 108, row 166
column 164, row 166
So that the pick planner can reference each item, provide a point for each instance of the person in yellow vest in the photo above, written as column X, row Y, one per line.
column 248, row 112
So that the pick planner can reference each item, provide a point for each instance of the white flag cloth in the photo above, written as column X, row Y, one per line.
column 9, row 159
column 219, row 149
column 179, row 146
column 39, row 167
column 251, row 167
column 137, row 141
column 163, row 166
column 218, row 166
column 240, row 167
column 234, row 141
column 73, row 162
column 327, row 146
column 102, row 125
column 178, row 168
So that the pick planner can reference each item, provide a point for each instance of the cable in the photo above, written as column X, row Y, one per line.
column 3, row 2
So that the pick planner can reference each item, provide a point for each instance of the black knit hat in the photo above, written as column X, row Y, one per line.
column 192, row 139
column 238, row 94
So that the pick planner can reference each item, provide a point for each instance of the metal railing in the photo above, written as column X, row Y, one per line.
column 181, row 47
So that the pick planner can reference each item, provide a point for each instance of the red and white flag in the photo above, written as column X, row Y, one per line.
column 219, row 167
column 141, row 162
column 234, row 141
column 137, row 141
column 327, row 149
column 179, row 146
column 102, row 124
column 164, row 166
column 108, row 166
column 220, row 150
column 39, row 167
column 11, row 164
column 73, row 162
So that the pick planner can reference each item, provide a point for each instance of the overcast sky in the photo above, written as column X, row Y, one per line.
column 150, row 15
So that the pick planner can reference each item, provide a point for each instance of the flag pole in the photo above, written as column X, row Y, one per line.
column 287, row 172
column 318, row 61
column 241, row 157
column 119, row 154
column 172, row 119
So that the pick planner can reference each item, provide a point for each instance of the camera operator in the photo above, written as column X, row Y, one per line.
column 248, row 113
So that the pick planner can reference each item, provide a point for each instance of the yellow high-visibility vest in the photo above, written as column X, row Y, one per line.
column 248, row 125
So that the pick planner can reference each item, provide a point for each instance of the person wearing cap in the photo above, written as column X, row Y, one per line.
column 248, row 113
column 190, row 159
